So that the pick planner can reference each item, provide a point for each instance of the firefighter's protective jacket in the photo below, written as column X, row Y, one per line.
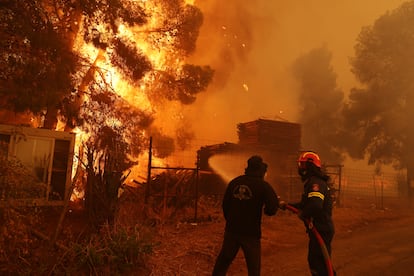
column 316, row 204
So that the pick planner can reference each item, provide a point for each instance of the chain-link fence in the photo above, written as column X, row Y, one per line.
column 187, row 184
column 377, row 190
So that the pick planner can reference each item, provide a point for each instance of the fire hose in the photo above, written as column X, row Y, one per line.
column 318, row 237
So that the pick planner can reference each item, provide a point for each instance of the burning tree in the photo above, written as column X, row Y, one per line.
column 131, row 53
column 379, row 115
column 103, row 67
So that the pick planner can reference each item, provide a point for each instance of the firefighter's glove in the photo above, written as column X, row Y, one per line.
column 309, row 224
column 282, row 205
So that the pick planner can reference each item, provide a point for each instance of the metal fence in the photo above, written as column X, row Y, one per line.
column 353, row 186
column 350, row 185
column 378, row 190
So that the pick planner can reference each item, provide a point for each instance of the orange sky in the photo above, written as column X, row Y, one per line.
column 252, row 44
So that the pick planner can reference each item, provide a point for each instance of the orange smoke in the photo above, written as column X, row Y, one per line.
column 254, row 43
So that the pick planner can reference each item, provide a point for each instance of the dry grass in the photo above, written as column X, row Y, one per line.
column 180, row 245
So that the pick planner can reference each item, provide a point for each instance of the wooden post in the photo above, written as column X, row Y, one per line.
column 339, row 186
column 196, row 187
column 147, row 190
column 69, row 191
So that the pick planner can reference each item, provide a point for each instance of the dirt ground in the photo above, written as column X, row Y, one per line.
column 368, row 241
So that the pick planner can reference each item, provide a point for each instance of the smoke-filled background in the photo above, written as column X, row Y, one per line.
column 193, row 70
column 256, row 47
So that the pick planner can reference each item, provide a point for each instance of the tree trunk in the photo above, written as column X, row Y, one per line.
column 50, row 121
column 410, row 177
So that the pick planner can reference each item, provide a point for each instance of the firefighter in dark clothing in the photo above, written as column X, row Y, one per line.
column 245, row 199
column 316, row 208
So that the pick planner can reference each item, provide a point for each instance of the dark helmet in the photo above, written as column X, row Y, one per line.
column 308, row 163
column 256, row 166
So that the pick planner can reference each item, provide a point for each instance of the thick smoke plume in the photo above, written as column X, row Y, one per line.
column 252, row 46
column 320, row 103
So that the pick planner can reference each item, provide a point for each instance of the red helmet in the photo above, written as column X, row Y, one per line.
column 309, row 156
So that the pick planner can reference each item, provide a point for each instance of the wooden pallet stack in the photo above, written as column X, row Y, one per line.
column 278, row 142
column 277, row 135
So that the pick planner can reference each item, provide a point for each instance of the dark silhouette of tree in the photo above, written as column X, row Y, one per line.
column 129, row 59
column 380, row 113
column 183, row 22
column 185, row 85
column 320, row 102
column 37, row 64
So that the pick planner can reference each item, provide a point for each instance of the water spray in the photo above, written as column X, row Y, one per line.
column 228, row 166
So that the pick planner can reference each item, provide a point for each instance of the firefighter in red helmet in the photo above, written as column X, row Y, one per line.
column 315, row 207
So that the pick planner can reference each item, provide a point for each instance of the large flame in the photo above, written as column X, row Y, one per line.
column 161, row 55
